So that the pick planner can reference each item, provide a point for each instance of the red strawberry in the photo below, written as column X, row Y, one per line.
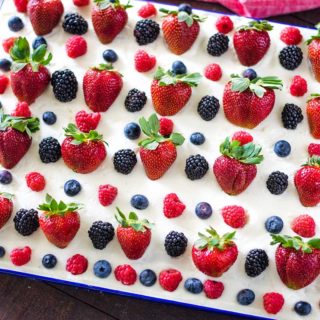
column 170, row 93
column 29, row 76
column 44, row 15
column 236, row 168
column 214, row 255
column 157, row 153
column 298, row 262
column 82, row 152
column 252, row 42
column 87, row 121
column 314, row 53
column 313, row 114
column 101, row 87
column 247, row 103
column 108, row 19
column 6, row 207
column 59, row 222
column 133, row 235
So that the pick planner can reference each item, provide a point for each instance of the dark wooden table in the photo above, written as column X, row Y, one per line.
column 24, row 299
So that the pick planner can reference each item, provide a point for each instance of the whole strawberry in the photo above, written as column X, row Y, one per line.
column 313, row 114
column 314, row 53
column 101, row 87
column 44, row 15
column 298, row 262
column 214, row 255
column 236, row 168
column 134, row 235
column 15, row 138
column 252, row 42
column 29, row 76
column 108, row 19
column 82, row 152
column 157, row 153
column 6, row 207
column 246, row 103
column 59, row 221
column 170, row 92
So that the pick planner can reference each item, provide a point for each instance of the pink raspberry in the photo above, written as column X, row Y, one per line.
column 21, row 5
column 125, row 274
column 169, row 279
column 20, row 256
column 166, row 127
column 107, row 194
column 224, row 24
column 304, row 225
column 273, row 302
column 87, row 121
column 143, row 61
column 77, row 264
column 8, row 43
column 21, row 110
column 213, row 289
column 76, row 46
column 298, row 86
column 243, row 137
column 81, row 3
column 148, row 10
column 213, row 72
column 234, row 216
column 291, row 35
column 4, row 81
column 35, row 181
column 172, row 206
column 314, row 149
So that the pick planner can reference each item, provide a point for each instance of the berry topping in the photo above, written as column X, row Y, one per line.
column 135, row 100
column 124, row 161
column 197, row 138
column 139, row 202
column 166, row 126
column 125, row 274
column 213, row 72
column 110, row 56
column 302, row 308
column 35, row 181
column 291, row 57
column 147, row 277
column 203, row 210
column 4, row 82
column 256, row 262
column 107, row 194
column 15, row 24
column 273, row 302
column 314, row 149
column 175, row 243
column 38, row 41
column 208, row 107
column 185, row 7
column 21, row 5
column 26, row 221
column 132, row 131
column 234, row 216
column 22, row 256
column 304, row 225
column 277, row 182
column 5, row 65
column 193, row 285
column 172, row 206
column 72, row 188
column 49, row 150
column 170, row 279
column 298, row 86
column 245, row 297
column 2, row 251
column 196, row 167
column 87, row 121
column 65, row 85
column 22, row 110
column 8, row 43
column 213, row 289
column 243, row 137
column 250, row 74
column 49, row 261
column 81, row 3
column 49, row 118
column 291, row 116
column 102, row 269
column 5, row 177
column 178, row 67
column 77, row 264
column 146, row 31
column 148, row 10
column 224, row 24
column 282, row 148
column 218, row 44
column 76, row 46
column 274, row 224
column 143, row 61
column 291, row 36
column 75, row 24
column 101, row 233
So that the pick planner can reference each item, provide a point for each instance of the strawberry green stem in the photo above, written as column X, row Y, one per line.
column 167, row 78
column 183, row 16
column 313, row 96
column 6, row 195
column 104, row 4
column 313, row 161
column 316, row 36
column 258, row 25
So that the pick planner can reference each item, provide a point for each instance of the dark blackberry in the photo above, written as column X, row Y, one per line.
column 26, row 221
column 196, row 167
column 65, row 85
column 256, row 262
column 208, row 107
column 135, row 100
column 175, row 243
column 124, row 161
column 218, row 44
column 101, row 233
column 290, row 57
column 146, row 31
column 75, row 24
column 291, row 116
column 277, row 182
column 49, row 150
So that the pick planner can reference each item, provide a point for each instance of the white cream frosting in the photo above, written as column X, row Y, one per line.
column 260, row 205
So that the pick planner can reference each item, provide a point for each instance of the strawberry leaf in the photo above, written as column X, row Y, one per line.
column 258, row 25
column 185, row 17
column 81, row 137
column 313, row 96
column 7, row 195
column 177, row 139
column 167, row 78
column 313, row 161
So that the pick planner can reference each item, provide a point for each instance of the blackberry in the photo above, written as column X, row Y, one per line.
column 256, row 262
column 135, row 100
column 218, row 44
column 26, row 221
column 277, row 182
column 196, row 167
column 101, row 233
column 146, row 31
column 290, row 57
column 124, row 161
column 291, row 115
column 208, row 107
column 75, row 24
column 65, row 85
column 175, row 243
column 49, row 150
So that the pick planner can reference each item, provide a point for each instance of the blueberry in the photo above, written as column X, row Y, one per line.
column 49, row 261
column 274, row 224
column 139, row 201
column 110, row 55
column 185, row 7
column 203, row 210
column 15, row 24
column 197, row 138
column 72, row 187
column 132, row 131
column 5, row 177
column 249, row 73
column 193, row 285
column 2, row 251
column 5, row 65
column 178, row 67
column 49, row 117
column 282, row 148
column 302, row 308
column 148, row 277
column 245, row 297
column 38, row 41
column 102, row 268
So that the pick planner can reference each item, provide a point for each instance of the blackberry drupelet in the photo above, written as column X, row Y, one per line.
column 196, row 167
column 208, row 107
column 124, row 161
column 135, row 100
column 218, row 44
column 277, row 182
column 26, row 221
column 291, row 116
column 49, row 150
column 256, row 262
column 175, row 243
column 101, row 233
column 75, row 24
column 290, row 57
column 146, row 31
column 65, row 85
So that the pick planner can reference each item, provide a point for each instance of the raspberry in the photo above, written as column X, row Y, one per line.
column 298, row 87
column 76, row 46
column 166, row 126
column 213, row 72
column 304, row 226
column 87, row 121
column 107, row 194
column 21, row 5
column 169, row 279
column 314, row 149
column 22, row 110
column 7, row 44
column 125, row 274
column 81, row 3
column 35, row 181
column 143, row 61
column 148, row 10
column 172, row 206
column 213, row 289
column 243, row 137
column 291, row 35
column 19, row 257
column 224, row 24
column 4, row 81
column 77, row 264
column 234, row 216
column 273, row 302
